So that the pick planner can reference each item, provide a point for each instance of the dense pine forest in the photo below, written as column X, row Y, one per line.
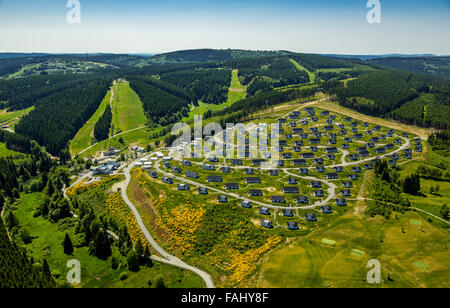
column 58, row 117
column 411, row 98
column 103, row 126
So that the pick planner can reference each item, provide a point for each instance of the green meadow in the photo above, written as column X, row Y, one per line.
column 95, row 273
column 410, row 255
column 85, row 135
column 128, row 112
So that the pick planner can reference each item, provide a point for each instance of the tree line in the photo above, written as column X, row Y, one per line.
column 103, row 125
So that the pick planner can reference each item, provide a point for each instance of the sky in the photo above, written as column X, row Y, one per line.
column 154, row 26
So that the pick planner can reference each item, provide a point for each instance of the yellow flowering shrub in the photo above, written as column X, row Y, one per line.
column 116, row 207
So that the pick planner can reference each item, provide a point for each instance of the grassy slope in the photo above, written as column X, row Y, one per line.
column 311, row 75
column 95, row 272
column 236, row 92
column 85, row 135
column 11, row 118
column 6, row 152
column 127, row 109
column 307, row 262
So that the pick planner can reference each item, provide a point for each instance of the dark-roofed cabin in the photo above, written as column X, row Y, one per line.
column 286, row 155
column 332, row 176
column 222, row 199
column 341, row 202
column 353, row 177
column 209, row 167
column 167, row 180
column 319, row 161
column 353, row 157
column 214, row 179
column 288, row 213
column 339, row 169
column 258, row 162
column 236, row 162
column 345, row 146
column 356, row 169
column 186, row 163
column 302, row 200
column 226, row 169
column 346, row 193
column 292, row 181
column 325, row 113
column 153, row 174
column 249, row 171
column 291, row 190
column 320, row 169
column 304, row 171
column 273, row 172
column 246, row 204
column 331, row 150
column 297, row 130
column 278, row 199
column 231, row 186
column 267, row 224
column 332, row 141
column 202, row 191
column 380, row 150
column 264, row 211
column 311, row 217
column 347, row 184
column 314, row 148
column 329, row 128
column 316, row 184
column 326, row 209
column 191, row 175
column 255, row 193
column 315, row 141
column 183, row 186
column 292, row 225
column 176, row 169
column 253, row 180
column 319, row 193
column 331, row 156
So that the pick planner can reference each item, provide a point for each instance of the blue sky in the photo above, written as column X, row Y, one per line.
column 149, row 26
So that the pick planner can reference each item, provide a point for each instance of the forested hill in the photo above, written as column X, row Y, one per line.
column 434, row 66
column 412, row 98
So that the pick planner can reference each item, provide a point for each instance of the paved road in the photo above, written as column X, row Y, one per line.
column 166, row 257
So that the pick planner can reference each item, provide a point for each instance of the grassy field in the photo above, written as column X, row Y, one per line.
column 236, row 92
column 398, row 244
column 311, row 75
column 6, row 152
column 84, row 137
column 95, row 272
column 11, row 118
column 127, row 109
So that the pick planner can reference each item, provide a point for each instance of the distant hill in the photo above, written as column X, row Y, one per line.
column 210, row 55
column 434, row 66
column 370, row 57
column 12, row 55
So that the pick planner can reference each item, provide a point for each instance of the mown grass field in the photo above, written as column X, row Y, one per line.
column 398, row 244
column 46, row 243
column 311, row 75
column 85, row 135
column 127, row 109
column 11, row 118
column 6, row 152
column 236, row 92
